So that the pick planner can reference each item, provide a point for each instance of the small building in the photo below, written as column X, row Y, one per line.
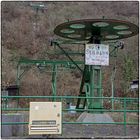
column 134, row 85
column 11, row 90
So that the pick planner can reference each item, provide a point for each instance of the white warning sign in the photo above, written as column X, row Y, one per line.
column 97, row 54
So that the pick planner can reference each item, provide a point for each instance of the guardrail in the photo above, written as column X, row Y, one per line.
column 124, row 101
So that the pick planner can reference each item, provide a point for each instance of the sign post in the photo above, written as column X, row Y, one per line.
column 96, row 55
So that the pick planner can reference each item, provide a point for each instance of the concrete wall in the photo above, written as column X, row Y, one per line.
column 12, row 130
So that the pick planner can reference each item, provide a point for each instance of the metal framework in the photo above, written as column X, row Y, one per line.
column 90, row 91
column 91, row 84
column 53, row 66
column 125, row 109
column 94, row 31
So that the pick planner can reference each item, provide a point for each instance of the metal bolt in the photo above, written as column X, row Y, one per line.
column 58, row 115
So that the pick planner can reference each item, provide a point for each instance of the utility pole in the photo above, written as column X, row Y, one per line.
column 37, row 6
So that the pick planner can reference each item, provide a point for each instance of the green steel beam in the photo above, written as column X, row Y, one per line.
column 85, row 77
column 89, row 78
column 25, row 70
column 91, row 110
column 69, row 53
column 100, row 86
column 116, row 123
column 96, row 87
column 125, row 117
column 14, row 123
column 18, row 81
column 91, row 84
column 52, row 62
column 54, row 76
column 18, row 75
column 112, row 85
column 116, row 98
column 114, row 51
column 87, row 89
column 119, row 123
column 68, row 42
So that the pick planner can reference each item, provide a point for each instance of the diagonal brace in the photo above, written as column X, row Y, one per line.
column 25, row 70
column 68, row 57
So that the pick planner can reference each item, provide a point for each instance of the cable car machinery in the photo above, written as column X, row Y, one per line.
column 93, row 31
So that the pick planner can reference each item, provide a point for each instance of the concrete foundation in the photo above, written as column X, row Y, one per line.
column 12, row 130
column 98, row 118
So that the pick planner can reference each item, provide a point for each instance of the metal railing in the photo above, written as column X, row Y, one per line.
column 124, row 102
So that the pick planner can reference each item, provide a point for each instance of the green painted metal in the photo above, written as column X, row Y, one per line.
column 27, row 63
column 113, row 53
column 64, row 97
column 91, row 83
column 60, row 52
column 113, row 47
column 67, row 55
column 87, row 74
column 100, row 87
column 18, row 75
column 21, row 74
column 124, row 117
column 38, row 6
column 91, row 27
column 85, row 80
column 61, row 98
column 87, row 89
column 18, row 81
column 60, row 41
column 94, row 35
column 14, row 123
column 91, row 110
column 92, row 86
column 97, row 87
column 62, row 115
column 68, row 52
column 54, row 76
column 116, row 123
column 112, row 85
column 51, row 62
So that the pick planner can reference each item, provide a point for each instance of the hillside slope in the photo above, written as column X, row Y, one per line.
column 19, row 39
